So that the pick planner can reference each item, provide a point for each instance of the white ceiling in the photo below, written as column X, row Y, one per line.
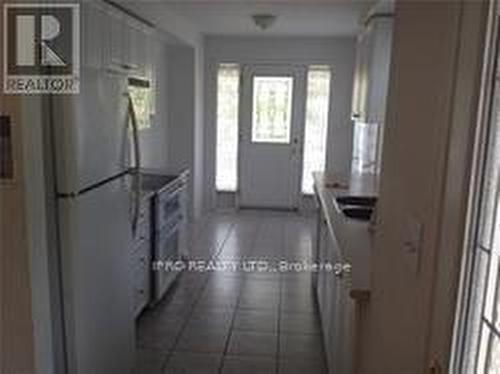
column 294, row 17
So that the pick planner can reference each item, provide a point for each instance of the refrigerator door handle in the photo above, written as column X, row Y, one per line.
column 136, row 184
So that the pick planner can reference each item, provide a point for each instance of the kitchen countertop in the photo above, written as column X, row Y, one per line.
column 354, row 237
column 155, row 180
column 172, row 172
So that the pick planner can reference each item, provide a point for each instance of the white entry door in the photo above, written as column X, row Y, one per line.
column 270, row 136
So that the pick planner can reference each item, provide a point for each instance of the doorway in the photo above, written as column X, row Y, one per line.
column 272, row 110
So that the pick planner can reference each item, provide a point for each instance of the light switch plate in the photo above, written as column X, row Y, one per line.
column 412, row 242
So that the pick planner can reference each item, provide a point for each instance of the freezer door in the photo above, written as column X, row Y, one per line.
column 90, row 131
column 97, row 280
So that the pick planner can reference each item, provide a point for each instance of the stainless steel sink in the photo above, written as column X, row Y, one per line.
column 363, row 214
column 356, row 207
column 357, row 200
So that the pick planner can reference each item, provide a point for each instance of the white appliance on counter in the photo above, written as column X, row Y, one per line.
column 97, row 208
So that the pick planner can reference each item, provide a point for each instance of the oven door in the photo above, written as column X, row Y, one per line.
column 166, row 250
column 168, row 207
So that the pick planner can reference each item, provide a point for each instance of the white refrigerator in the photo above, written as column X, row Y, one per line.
column 95, row 209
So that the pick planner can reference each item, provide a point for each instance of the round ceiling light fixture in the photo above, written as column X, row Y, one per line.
column 264, row 21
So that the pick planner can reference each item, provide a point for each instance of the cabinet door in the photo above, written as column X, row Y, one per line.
column 148, row 53
column 117, row 40
column 141, row 52
column 315, row 240
column 332, row 303
column 142, row 276
column 356, row 110
column 137, row 41
column 343, row 334
column 371, row 79
column 106, row 38
column 92, row 21
column 321, row 277
column 127, row 42
column 379, row 69
column 366, row 46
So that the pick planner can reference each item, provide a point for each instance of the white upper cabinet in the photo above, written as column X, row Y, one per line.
column 92, row 51
column 371, row 79
column 136, row 39
column 127, row 32
column 117, row 40
column 140, row 40
column 112, row 39
column 106, row 40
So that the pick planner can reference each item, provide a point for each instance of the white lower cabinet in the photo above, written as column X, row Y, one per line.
column 371, row 78
column 337, row 308
column 141, row 259
column 141, row 276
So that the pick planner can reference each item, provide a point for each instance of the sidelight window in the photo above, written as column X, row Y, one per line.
column 316, row 125
column 226, row 169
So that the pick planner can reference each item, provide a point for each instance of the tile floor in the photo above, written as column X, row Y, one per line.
column 238, row 322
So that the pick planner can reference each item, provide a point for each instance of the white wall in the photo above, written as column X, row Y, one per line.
column 339, row 52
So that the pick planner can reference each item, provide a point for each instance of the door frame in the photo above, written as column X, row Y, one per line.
column 297, row 131
column 460, row 310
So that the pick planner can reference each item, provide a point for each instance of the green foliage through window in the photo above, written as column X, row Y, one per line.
column 142, row 98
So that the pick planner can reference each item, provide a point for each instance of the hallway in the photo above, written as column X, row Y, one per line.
column 238, row 322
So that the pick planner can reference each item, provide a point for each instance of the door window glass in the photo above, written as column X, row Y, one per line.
column 272, row 109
